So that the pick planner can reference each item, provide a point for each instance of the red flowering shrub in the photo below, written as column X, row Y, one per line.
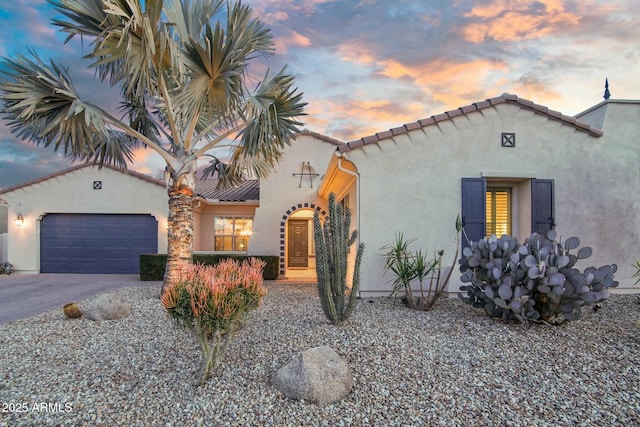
column 211, row 300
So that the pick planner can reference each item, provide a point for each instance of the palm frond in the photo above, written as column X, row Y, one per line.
column 86, row 18
column 141, row 119
column 227, row 176
column 188, row 18
column 217, row 62
column 134, row 51
column 250, row 36
column 113, row 149
column 182, row 77
column 42, row 105
column 271, row 115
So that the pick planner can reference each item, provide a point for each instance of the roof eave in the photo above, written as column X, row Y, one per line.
column 477, row 106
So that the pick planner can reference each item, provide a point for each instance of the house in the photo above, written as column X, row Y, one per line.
column 85, row 220
column 88, row 219
column 270, row 217
column 505, row 165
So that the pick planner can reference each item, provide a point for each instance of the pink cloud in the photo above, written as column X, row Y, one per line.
column 291, row 39
column 277, row 10
column 508, row 20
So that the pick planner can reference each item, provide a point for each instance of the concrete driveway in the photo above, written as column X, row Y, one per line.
column 28, row 294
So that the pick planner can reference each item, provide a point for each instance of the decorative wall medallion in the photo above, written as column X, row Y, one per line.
column 508, row 139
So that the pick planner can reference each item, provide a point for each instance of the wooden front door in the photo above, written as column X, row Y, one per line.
column 298, row 243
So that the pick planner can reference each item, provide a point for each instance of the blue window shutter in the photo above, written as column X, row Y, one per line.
column 473, row 209
column 542, row 209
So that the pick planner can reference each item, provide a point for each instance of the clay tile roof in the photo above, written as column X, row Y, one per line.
column 370, row 139
column 481, row 105
column 385, row 134
column 476, row 106
column 320, row 137
column 453, row 113
column 208, row 189
column 427, row 122
column 354, row 144
column 497, row 100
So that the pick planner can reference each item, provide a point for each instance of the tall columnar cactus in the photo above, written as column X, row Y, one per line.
column 332, row 248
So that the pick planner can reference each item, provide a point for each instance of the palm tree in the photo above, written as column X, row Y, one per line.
column 182, row 71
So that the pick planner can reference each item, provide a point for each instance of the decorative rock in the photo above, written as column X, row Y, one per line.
column 316, row 375
column 71, row 310
column 108, row 307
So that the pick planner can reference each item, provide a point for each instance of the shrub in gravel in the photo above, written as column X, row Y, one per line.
column 212, row 300
column 408, row 266
column 534, row 281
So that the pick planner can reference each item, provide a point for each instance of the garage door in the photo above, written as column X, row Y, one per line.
column 90, row 243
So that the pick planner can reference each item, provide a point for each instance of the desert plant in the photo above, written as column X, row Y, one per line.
column 332, row 242
column 636, row 275
column 211, row 301
column 400, row 261
column 6, row 268
column 534, row 281
column 408, row 266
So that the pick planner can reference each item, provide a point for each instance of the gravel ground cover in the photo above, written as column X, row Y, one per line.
column 452, row 366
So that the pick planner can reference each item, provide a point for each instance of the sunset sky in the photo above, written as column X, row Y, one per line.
column 369, row 65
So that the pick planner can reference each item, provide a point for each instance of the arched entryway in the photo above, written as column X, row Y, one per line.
column 297, row 248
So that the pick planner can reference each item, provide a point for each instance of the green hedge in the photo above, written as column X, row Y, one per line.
column 152, row 265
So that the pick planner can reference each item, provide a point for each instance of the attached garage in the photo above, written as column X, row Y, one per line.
column 96, row 243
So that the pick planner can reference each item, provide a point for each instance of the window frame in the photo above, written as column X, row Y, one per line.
column 234, row 234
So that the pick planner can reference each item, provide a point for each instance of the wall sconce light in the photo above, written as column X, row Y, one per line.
column 19, row 219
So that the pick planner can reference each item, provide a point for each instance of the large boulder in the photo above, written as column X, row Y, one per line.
column 317, row 375
column 108, row 307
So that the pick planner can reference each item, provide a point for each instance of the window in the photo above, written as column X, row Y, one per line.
column 345, row 203
column 232, row 233
column 498, row 206
column 529, row 199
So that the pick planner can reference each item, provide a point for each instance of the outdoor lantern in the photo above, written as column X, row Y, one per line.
column 19, row 219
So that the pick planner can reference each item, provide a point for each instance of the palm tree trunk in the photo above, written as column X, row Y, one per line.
column 180, row 223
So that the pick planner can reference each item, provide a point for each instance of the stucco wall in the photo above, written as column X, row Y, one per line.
column 412, row 183
column 73, row 192
column 282, row 191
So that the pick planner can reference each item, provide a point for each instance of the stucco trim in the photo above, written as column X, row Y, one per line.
column 510, row 175
column 475, row 107
column 605, row 102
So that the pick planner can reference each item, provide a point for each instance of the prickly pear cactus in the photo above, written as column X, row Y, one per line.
column 332, row 248
column 533, row 281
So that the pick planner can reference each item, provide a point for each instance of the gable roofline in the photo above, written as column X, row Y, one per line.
column 81, row 166
column 608, row 101
column 320, row 137
column 476, row 106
